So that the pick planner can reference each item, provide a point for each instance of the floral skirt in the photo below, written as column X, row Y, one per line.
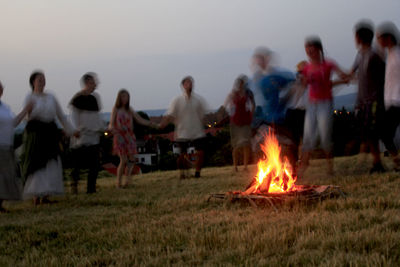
column 124, row 144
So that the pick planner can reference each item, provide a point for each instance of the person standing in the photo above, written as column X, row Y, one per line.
column 296, row 99
column 41, row 163
column 369, row 68
column 85, row 115
column 187, row 112
column 319, row 112
column 10, row 185
column 388, row 38
column 240, row 105
column 124, row 142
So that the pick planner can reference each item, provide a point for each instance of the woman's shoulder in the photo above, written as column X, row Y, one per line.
column 329, row 62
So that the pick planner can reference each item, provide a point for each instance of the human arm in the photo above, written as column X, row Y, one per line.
column 24, row 112
column 344, row 77
column 167, row 119
column 68, row 127
column 111, row 125
column 141, row 120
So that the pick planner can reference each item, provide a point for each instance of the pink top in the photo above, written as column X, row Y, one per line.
column 319, row 80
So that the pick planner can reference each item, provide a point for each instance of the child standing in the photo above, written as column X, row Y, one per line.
column 124, row 142
column 318, row 119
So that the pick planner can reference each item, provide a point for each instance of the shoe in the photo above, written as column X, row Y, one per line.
column 377, row 168
column 197, row 174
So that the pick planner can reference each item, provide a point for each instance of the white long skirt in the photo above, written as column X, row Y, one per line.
column 45, row 182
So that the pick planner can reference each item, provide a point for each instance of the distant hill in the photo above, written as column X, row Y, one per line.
column 346, row 101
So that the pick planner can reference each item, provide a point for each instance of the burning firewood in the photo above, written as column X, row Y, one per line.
column 274, row 182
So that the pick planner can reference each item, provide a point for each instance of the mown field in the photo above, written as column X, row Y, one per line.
column 161, row 221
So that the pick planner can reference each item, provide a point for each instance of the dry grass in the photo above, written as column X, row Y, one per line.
column 164, row 221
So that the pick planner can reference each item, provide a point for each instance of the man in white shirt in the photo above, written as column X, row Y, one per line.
column 187, row 113
column 388, row 38
column 85, row 114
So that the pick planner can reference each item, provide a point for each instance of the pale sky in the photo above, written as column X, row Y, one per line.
column 148, row 46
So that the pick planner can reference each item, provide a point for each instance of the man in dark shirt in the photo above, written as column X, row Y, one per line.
column 85, row 114
column 370, row 70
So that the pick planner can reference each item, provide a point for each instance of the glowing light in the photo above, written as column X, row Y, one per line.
column 274, row 174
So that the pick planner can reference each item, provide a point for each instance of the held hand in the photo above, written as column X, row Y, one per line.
column 29, row 106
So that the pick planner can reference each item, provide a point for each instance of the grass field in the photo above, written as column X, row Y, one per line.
column 162, row 221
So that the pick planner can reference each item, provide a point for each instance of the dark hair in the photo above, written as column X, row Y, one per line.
column 316, row 42
column 241, row 79
column 33, row 77
column 187, row 78
column 390, row 36
column 87, row 77
column 118, row 101
column 364, row 31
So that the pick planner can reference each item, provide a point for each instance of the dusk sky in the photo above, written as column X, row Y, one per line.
column 148, row 46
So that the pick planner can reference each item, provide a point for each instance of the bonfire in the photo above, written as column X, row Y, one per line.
column 274, row 175
column 274, row 182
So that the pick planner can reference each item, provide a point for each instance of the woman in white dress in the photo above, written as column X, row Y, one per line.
column 41, row 163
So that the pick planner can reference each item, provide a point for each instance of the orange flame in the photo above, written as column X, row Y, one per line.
column 274, row 176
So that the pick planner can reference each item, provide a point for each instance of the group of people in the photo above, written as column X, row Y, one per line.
column 298, row 107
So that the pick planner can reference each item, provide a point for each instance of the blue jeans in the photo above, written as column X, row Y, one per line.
column 318, row 122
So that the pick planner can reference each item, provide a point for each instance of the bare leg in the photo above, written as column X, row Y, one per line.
column 305, row 161
column 121, row 169
column 182, row 165
column 130, row 166
column 329, row 160
column 235, row 156
column 246, row 155
column 199, row 162
column 36, row 201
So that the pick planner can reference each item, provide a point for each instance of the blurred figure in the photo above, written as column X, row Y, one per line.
column 240, row 106
column 319, row 113
column 10, row 185
column 388, row 38
column 124, row 142
column 369, row 69
column 187, row 113
column 85, row 115
column 41, row 163
column 267, row 84
column 296, row 102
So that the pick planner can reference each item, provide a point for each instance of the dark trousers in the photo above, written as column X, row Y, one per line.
column 391, row 121
column 86, row 157
column 294, row 124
